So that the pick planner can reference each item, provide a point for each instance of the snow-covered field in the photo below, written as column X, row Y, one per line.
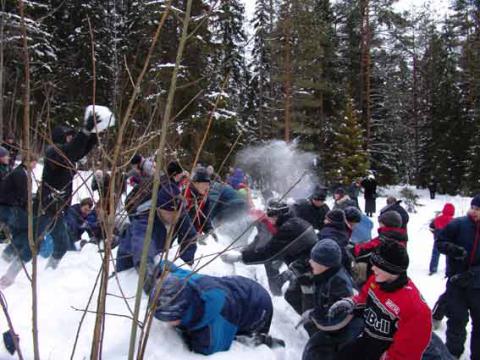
column 70, row 285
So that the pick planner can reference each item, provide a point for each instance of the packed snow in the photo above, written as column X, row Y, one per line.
column 61, row 292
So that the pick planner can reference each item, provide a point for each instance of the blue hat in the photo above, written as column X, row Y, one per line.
column 327, row 252
column 173, row 301
column 476, row 201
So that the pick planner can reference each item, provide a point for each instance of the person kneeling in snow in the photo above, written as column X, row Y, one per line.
column 76, row 218
column 210, row 312
column 331, row 282
column 398, row 322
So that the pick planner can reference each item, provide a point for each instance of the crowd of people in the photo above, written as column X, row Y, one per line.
column 350, row 288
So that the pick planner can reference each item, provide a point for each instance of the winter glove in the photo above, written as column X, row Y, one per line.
column 90, row 121
column 9, row 341
column 344, row 306
column 305, row 319
column 456, row 252
column 231, row 257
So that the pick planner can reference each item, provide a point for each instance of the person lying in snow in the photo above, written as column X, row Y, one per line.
column 211, row 312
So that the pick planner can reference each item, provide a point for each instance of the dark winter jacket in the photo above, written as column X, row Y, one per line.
column 76, row 221
column 397, row 320
column 219, row 308
column 198, row 207
column 14, row 188
column 329, row 287
column 12, row 151
column 338, row 232
column 399, row 209
column 59, row 167
column 463, row 232
column 384, row 234
column 370, row 188
column 225, row 202
column 305, row 210
column 4, row 170
column 293, row 241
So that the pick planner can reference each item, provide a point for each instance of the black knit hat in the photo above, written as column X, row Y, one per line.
column 340, row 191
column 476, row 201
column 201, row 175
column 336, row 216
column 136, row 160
column 276, row 207
column 326, row 252
column 390, row 218
column 174, row 168
column 391, row 257
column 353, row 215
column 319, row 193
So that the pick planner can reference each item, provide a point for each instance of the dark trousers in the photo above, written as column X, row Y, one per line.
column 462, row 304
column 324, row 345
column 294, row 297
column 55, row 225
column 440, row 309
column 275, row 280
column 363, row 348
column 16, row 219
column 434, row 258
column 432, row 194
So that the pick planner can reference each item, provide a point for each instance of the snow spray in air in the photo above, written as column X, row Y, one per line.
column 280, row 168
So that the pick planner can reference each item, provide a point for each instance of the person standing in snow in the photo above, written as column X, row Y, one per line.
column 370, row 193
column 12, row 148
column 342, row 200
column 197, row 202
column 354, row 190
column 14, row 213
column 4, row 163
column 397, row 320
column 313, row 209
column 291, row 243
column 432, row 187
column 211, row 312
column 56, row 189
column 360, row 225
column 331, row 283
column 460, row 241
column 442, row 220
column 394, row 205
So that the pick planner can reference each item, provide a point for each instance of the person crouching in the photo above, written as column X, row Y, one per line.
column 210, row 312
column 331, row 282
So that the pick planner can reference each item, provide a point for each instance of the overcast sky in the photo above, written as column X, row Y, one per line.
column 439, row 6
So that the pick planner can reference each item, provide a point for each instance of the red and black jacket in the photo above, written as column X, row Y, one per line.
column 198, row 208
column 397, row 320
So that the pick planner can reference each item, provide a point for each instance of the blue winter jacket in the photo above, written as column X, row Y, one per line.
column 132, row 241
column 220, row 308
column 77, row 224
column 362, row 231
column 462, row 232
column 224, row 201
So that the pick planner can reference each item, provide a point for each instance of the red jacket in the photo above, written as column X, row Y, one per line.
column 400, row 317
column 384, row 233
column 198, row 209
column 445, row 217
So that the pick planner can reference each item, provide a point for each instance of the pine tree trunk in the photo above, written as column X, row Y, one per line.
column 288, row 71
column 365, row 69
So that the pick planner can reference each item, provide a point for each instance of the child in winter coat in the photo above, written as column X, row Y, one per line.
column 436, row 225
column 397, row 320
column 331, row 282
column 210, row 312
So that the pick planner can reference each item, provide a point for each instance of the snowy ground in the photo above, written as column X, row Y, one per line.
column 70, row 285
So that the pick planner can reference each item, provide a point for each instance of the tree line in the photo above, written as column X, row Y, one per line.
column 359, row 84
